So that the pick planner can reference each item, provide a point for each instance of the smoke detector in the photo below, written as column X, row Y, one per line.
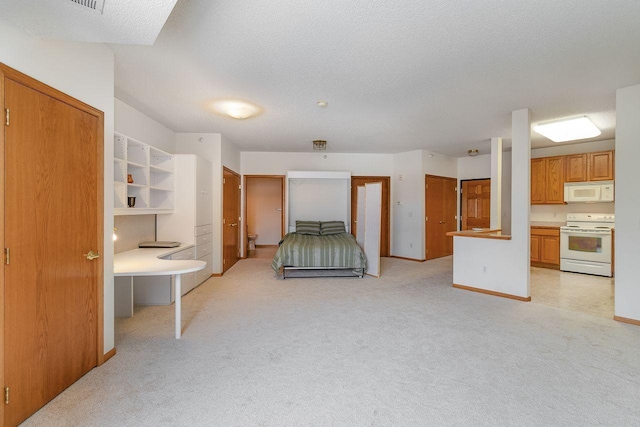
column 94, row 5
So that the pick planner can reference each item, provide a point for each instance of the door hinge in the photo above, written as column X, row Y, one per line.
column 426, row 218
column 6, row 395
column 7, row 253
column 224, row 221
column 224, row 181
column 456, row 190
column 224, row 261
column 426, row 186
column 239, row 187
column 6, row 116
column 461, row 191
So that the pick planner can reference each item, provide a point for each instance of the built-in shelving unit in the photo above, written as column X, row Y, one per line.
column 152, row 173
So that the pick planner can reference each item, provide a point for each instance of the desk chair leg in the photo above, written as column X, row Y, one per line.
column 178, row 303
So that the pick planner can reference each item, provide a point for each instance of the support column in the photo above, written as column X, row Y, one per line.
column 496, row 183
column 520, row 196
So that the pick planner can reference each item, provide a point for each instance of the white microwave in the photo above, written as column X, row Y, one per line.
column 588, row 192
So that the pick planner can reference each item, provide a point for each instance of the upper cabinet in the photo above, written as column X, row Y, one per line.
column 601, row 167
column 547, row 180
column 143, row 178
column 576, row 168
column 548, row 174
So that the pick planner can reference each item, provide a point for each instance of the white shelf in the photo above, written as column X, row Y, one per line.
column 152, row 173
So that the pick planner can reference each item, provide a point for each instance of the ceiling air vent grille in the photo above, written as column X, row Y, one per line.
column 96, row 5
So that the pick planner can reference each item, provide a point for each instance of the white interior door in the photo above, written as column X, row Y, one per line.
column 372, row 227
column 361, row 201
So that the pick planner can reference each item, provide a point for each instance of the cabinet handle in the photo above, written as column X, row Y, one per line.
column 91, row 255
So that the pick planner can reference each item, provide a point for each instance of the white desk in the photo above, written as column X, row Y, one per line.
column 146, row 262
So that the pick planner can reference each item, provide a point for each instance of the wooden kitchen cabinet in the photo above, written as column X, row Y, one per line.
column 576, row 168
column 547, row 180
column 600, row 166
column 545, row 247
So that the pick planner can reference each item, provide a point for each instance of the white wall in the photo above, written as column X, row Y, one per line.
column 230, row 155
column 503, row 265
column 137, row 125
column 264, row 163
column 627, row 249
column 84, row 71
column 407, row 205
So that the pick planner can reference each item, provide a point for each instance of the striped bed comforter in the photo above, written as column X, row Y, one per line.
column 334, row 251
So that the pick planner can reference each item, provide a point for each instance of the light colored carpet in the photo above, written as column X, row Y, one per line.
column 406, row 349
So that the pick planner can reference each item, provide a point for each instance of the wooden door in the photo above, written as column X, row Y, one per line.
column 357, row 181
column 476, row 204
column 53, row 216
column 601, row 166
column 230, row 219
column 576, row 168
column 440, row 204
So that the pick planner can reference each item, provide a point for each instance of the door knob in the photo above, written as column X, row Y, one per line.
column 92, row 255
column 235, row 224
column 442, row 222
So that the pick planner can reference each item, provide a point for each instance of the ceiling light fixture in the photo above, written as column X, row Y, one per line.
column 472, row 152
column 235, row 108
column 319, row 144
column 322, row 104
column 568, row 129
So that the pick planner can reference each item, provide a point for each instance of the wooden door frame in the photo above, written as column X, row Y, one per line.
column 242, row 221
column 387, row 179
column 461, row 208
column 23, row 79
column 245, row 232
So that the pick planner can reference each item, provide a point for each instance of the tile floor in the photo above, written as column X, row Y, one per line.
column 573, row 291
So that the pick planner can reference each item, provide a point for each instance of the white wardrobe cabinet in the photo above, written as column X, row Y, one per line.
column 191, row 220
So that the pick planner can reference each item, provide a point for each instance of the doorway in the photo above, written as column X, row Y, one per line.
column 52, row 325
column 475, row 202
column 230, row 219
column 264, row 210
column 441, row 199
column 357, row 181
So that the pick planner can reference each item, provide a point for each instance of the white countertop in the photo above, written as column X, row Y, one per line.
column 147, row 262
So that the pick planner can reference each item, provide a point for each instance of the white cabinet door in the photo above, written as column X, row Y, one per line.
column 204, row 186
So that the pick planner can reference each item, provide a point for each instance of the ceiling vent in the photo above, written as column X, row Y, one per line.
column 95, row 5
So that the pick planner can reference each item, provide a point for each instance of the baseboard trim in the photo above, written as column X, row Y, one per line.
column 266, row 246
column 407, row 259
column 494, row 293
column 216, row 274
column 109, row 354
column 627, row 320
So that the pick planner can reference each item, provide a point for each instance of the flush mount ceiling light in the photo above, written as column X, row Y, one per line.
column 235, row 108
column 472, row 152
column 568, row 129
column 319, row 144
column 322, row 104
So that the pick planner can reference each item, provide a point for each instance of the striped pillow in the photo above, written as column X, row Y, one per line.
column 332, row 227
column 308, row 227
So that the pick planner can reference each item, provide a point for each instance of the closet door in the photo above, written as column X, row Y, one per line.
column 53, row 218
column 360, row 215
column 372, row 226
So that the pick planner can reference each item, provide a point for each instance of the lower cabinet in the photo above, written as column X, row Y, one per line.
column 545, row 247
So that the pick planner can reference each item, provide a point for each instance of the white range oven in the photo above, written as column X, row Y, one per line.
column 586, row 243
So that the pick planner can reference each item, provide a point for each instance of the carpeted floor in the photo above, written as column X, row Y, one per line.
column 406, row 349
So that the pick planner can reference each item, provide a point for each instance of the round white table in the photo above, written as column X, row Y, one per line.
column 147, row 262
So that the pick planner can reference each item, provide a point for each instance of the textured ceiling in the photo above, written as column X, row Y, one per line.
column 440, row 75
column 122, row 21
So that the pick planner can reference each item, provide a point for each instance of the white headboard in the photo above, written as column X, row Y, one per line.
column 318, row 196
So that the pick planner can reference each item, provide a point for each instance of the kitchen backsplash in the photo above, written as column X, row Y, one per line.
column 133, row 229
column 558, row 213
